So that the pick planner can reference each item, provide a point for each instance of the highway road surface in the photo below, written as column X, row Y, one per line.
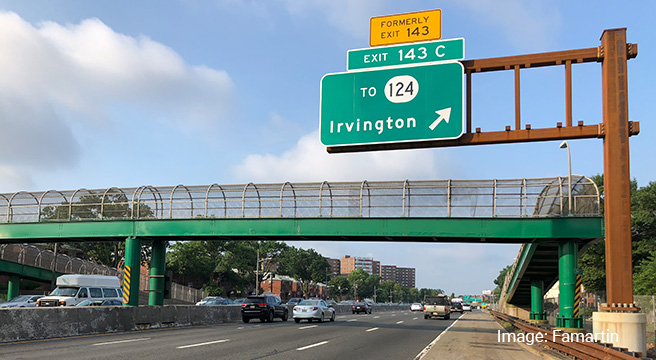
column 382, row 335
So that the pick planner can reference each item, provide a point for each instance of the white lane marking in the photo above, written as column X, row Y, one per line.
column 351, row 320
column 376, row 317
column 313, row 345
column 120, row 341
column 429, row 346
column 415, row 318
column 203, row 344
column 372, row 329
column 308, row 327
column 400, row 322
column 239, row 328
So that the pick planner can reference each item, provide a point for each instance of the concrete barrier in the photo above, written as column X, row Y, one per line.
column 47, row 323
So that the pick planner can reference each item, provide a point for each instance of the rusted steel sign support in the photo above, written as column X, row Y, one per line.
column 528, row 134
column 617, row 194
column 615, row 130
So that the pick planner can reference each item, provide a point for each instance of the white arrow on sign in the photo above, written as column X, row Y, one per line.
column 444, row 114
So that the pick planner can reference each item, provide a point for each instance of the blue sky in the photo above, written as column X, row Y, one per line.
column 129, row 93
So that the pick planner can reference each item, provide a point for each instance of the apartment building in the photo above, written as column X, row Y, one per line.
column 405, row 276
column 334, row 267
column 347, row 264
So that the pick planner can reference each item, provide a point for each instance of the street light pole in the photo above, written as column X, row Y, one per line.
column 564, row 145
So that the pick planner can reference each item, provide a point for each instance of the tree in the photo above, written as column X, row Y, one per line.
column 94, row 207
column 643, row 236
column 501, row 278
column 306, row 266
column 413, row 295
column 357, row 279
column 423, row 292
column 195, row 261
column 644, row 278
column 385, row 290
column 340, row 285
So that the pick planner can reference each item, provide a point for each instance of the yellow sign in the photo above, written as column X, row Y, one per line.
column 405, row 28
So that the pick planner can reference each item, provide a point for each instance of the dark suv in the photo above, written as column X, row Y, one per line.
column 359, row 307
column 456, row 307
column 263, row 307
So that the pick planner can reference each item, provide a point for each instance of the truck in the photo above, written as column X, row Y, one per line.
column 437, row 306
column 72, row 289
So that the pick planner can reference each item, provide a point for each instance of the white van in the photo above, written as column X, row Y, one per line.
column 73, row 289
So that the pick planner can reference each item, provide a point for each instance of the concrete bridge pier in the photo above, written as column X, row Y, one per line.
column 567, row 320
column 13, row 287
column 132, row 271
column 537, row 315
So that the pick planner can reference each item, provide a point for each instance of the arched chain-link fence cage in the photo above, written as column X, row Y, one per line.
column 424, row 198
column 42, row 258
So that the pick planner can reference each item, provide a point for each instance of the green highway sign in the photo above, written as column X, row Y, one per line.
column 416, row 103
column 399, row 55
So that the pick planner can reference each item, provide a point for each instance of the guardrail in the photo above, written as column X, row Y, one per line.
column 573, row 347
column 430, row 198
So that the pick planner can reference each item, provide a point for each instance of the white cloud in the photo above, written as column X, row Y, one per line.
column 60, row 79
column 346, row 15
column 528, row 25
column 14, row 179
column 309, row 161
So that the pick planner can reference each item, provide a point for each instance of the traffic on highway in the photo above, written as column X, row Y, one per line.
column 401, row 334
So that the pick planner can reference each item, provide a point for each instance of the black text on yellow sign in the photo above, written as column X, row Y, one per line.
column 405, row 28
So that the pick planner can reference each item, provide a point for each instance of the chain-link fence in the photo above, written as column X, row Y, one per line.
column 429, row 198
column 591, row 302
column 647, row 304
column 45, row 259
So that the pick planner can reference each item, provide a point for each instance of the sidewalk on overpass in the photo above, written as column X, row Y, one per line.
column 476, row 335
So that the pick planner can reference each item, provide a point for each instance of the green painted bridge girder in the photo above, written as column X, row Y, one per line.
column 26, row 271
column 489, row 230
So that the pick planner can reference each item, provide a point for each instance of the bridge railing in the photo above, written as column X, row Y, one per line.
column 423, row 198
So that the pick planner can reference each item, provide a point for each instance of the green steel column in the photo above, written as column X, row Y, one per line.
column 157, row 270
column 537, row 300
column 131, row 271
column 13, row 287
column 567, row 264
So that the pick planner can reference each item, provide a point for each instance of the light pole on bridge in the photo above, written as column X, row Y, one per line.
column 564, row 145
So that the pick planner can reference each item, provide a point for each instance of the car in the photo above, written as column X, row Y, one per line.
column 456, row 307
column 294, row 301
column 108, row 302
column 21, row 301
column 416, row 307
column 331, row 303
column 466, row 307
column 359, row 307
column 206, row 299
column 238, row 301
column 263, row 307
column 313, row 309
column 217, row 301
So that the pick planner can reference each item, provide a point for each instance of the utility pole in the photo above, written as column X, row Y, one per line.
column 54, row 270
column 257, row 272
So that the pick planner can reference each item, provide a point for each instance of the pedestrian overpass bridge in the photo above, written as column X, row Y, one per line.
column 521, row 211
